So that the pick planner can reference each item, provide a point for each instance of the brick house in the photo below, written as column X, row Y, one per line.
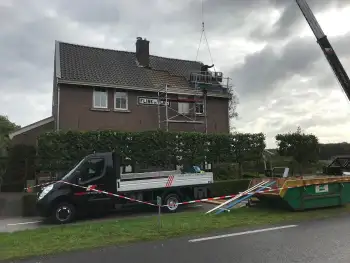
column 99, row 89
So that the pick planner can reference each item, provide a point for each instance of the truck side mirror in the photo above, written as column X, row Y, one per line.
column 78, row 176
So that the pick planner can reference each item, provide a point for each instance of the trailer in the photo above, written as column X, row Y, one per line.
column 340, row 165
column 71, row 196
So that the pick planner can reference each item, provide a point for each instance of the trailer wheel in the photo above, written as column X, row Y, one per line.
column 63, row 213
column 171, row 203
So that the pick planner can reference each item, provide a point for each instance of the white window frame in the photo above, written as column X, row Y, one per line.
column 197, row 104
column 95, row 92
column 121, row 94
column 181, row 105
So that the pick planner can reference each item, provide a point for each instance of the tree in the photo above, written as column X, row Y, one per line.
column 329, row 150
column 232, row 105
column 303, row 148
column 6, row 127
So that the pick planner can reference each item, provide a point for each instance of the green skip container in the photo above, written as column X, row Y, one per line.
column 303, row 194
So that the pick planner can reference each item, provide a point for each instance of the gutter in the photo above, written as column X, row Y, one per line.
column 58, row 107
column 58, row 76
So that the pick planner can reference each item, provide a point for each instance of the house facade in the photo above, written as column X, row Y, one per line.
column 102, row 89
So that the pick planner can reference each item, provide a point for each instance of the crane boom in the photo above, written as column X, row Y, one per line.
column 326, row 47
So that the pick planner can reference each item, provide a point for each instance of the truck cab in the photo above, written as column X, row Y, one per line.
column 60, row 200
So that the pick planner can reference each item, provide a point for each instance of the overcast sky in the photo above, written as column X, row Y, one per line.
column 279, row 72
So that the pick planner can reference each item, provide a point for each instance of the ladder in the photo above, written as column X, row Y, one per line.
column 226, row 206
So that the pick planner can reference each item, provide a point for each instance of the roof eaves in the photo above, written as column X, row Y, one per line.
column 179, row 90
column 31, row 127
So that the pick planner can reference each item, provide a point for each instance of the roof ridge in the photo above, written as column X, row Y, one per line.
column 130, row 52
column 101, row 48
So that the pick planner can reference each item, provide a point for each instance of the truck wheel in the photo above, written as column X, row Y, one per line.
column 171, row 203
column 63, row 213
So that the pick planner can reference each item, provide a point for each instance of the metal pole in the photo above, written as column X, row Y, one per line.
column 205, row 111
column 195, row 105
column 159, row 222
column 159, row 203
column 166, row 109
column 158, row 108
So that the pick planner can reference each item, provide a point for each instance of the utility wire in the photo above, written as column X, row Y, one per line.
column 206, row 39
column 211, row 58
column 200, row 40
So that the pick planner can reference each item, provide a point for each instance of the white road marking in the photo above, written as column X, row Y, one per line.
column 241, row 233
column 24, row 223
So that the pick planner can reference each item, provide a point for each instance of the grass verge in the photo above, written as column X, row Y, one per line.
column 51, row 240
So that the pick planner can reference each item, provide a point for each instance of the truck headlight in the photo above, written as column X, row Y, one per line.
column 45, row 191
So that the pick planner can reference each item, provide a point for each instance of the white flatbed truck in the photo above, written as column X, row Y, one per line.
column 63, row 200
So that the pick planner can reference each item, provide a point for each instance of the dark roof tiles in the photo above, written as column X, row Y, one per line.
column 96, row 65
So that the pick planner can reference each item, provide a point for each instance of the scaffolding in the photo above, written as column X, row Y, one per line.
column 195, row 110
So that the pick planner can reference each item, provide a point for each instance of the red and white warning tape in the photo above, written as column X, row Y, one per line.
column 93, row 188
column 38, row 185
column 90, row 188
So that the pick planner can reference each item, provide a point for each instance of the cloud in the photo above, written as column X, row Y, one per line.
column 315, row 110
column 290, row 18
column 266, row 46
column 262, row 72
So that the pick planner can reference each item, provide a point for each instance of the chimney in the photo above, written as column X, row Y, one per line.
column 142, row 52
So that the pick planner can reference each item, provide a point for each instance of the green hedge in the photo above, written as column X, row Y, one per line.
column 61, row 150
column 228, row 187
column 225, row 171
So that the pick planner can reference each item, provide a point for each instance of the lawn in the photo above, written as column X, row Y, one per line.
column 50, row 240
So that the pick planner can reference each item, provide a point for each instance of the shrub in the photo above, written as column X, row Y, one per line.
column 252, row 175
column 228, row 187
column 225, row 171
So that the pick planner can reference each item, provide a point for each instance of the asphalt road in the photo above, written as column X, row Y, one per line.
column 320, row 241
column 20, row 223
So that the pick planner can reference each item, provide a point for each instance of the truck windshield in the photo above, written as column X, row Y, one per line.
column 197, row 169
column 70, row 174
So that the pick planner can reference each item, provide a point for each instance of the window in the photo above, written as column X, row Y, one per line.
column 91, row 169
column 183, row 107
column 100, row 98
column 120, row 100
column 200, row 108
